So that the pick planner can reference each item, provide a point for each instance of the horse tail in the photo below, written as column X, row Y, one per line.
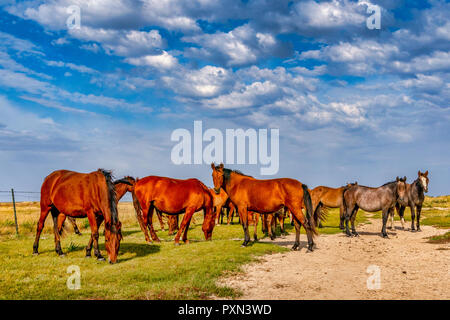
column 321, row 213
column 137, row 206
column 309, row 210
column 111, row 195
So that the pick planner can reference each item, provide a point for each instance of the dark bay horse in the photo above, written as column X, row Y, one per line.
column 266, row 196
column 174, row 197
column 330, row 198
column 69, row 193
column 413, row 199
column 372, row 199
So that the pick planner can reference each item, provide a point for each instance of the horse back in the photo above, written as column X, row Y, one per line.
column 74, row 193
column 173, row 195
column 330, row 197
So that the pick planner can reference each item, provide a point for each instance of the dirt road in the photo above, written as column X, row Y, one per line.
column 410, row 268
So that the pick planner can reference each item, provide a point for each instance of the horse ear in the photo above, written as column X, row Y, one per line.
column 398, row 179
column 418, row 173
column 426, row 173
column 212, row 165
column 404, row 178
column 221, row 166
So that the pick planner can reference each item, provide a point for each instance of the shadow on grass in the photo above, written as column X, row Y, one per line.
column 139, row 250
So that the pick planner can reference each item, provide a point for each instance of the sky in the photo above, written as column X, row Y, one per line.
column 107, row 90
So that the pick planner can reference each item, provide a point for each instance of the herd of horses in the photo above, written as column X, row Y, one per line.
column 95, row 195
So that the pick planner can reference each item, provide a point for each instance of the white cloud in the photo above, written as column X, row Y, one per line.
column 161, row 61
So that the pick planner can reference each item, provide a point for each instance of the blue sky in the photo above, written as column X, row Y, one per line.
column 351, row 103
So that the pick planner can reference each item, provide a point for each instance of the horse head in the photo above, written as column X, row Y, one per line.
column 218, row 177
column 401, row 188
column 113, row 236
column 423, row 178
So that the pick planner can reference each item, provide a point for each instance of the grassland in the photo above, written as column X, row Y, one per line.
column 155, row 271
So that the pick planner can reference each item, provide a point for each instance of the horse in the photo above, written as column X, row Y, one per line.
column 329, row 198
column 74, row 194
column 269, row 222
column 174, row 197
column 266, row 196
column 372, row 199
column 219, row 201
column 230, row 209
column 413, row 199
column 122, row 186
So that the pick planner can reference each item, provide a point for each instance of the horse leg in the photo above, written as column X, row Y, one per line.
column 99, row 220
column 74, row 225
column 216, row 208
column 221, row 214
column 282, row 225
column 391, row 218
column 55, row 214
column 297, row 236
column 61, row 220
column 159, row 215
column 243, row 215
column 385, row 218
column 255, row 230
column 44, row 213
column 341, row 217
column 270, row 226
column 352, row 220
column 148, row 221
column 401, row 212
column 300, row 218
column 419, row 210
column 94, row 235
column 413, row 216
column 184, row 224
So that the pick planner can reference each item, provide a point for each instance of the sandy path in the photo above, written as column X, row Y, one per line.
column 410, row 268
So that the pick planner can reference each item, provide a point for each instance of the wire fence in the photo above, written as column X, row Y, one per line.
column 17, row 197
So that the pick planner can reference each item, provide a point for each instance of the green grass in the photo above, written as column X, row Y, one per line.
column 155, row 271
column 445, row 238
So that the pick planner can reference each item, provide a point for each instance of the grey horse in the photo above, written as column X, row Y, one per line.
column 414, row 199
column 372, row 199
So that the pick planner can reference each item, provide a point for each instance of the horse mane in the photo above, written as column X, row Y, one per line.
column 389, row 183
column 130, row 177
column 418, row 184
column 111, row 195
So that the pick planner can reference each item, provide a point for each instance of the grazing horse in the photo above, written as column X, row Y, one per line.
column 266, row 196
column 69, row 193
column 173, row 197
column 219, row 201
column 330, row 198
column 372, row 199
column 414, row 199
column 122, row 186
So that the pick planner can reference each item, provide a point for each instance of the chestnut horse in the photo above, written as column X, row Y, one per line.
column 266, row 196
column 329, row 198
column 69, row 193
column 121, row 186
column 174, row 197
column 372, row 199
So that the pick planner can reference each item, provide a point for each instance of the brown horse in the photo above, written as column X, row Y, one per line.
column 372, row 199
column 329, row 198
column 174, row 197
column 121, row 186
column 69, row 193
column 269, row 222
column 266, row 196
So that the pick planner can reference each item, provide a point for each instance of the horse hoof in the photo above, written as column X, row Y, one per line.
column 385, row 236
column 88, row 256
column 419, row 230
column 100, row 258
column 35, row 253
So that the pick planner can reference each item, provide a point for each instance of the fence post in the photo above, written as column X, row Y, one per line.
column 15, row 215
